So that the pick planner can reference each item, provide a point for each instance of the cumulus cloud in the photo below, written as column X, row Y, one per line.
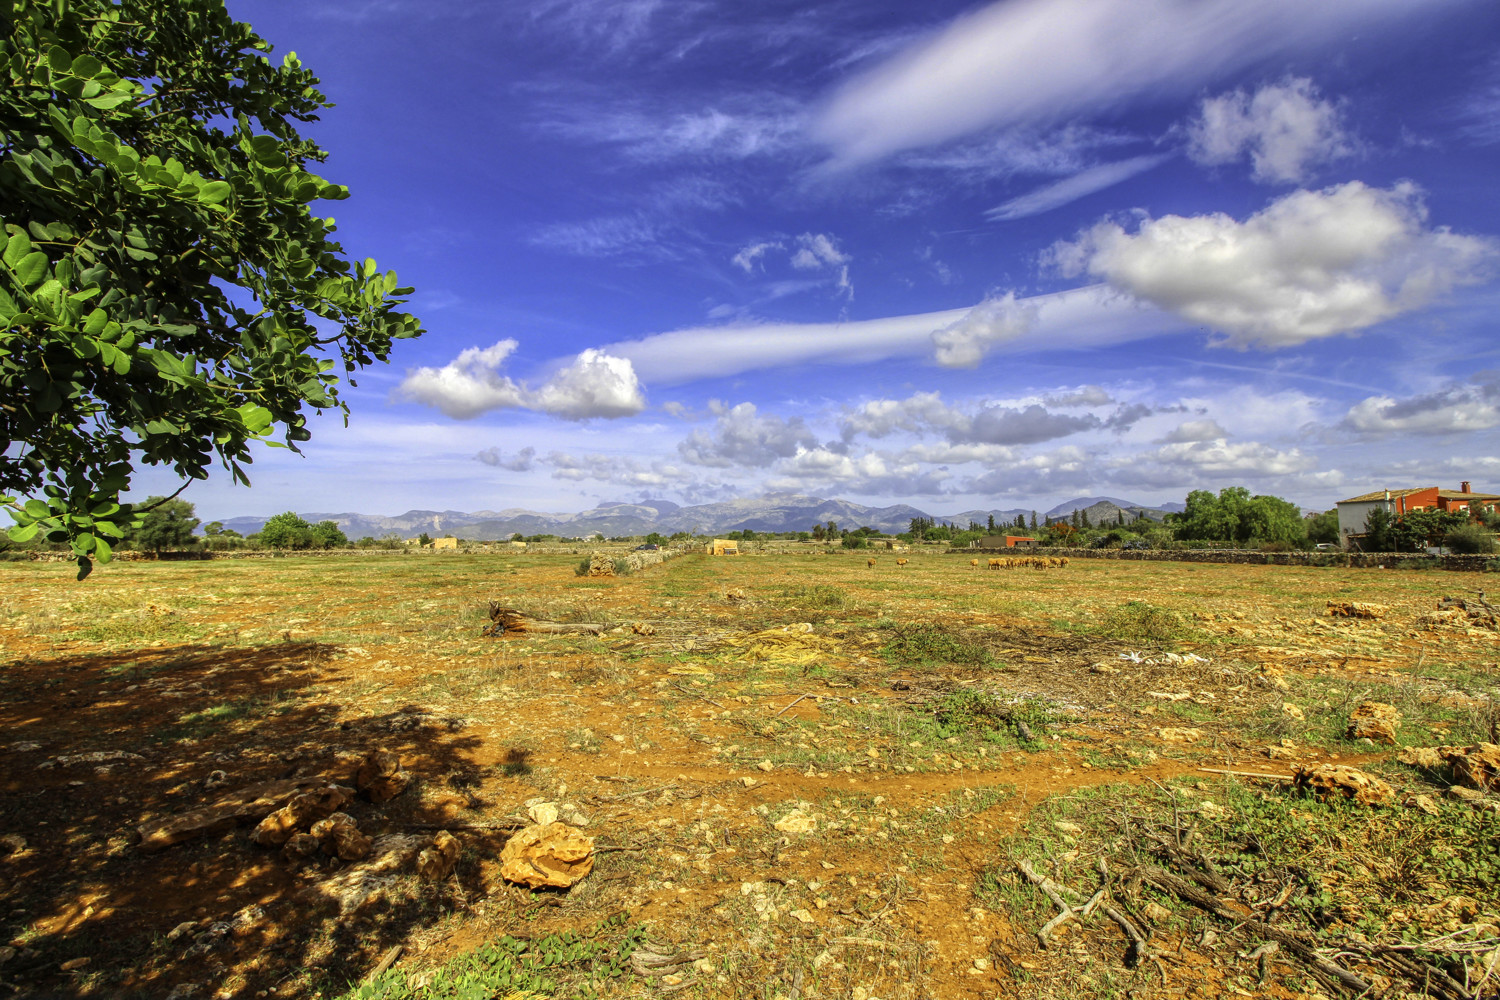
column 816, row 251
column 869, row 473
column 1313, row 264
column 964, row 343
column 1286, row 129
column 522, row 461
column 593, row 384
column 1070, row 189
column 620, row 470
column 1195, row 430
column 468, row 385
column 1217, row 458
column 1085, row 395
column 1453, row 409
column 1027, row 62
column 743, row 438
column 925, row 412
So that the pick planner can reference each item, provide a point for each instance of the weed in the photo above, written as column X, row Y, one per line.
column 924, row 643
column 514, row 966
column 819, row 596
column 1145, row 624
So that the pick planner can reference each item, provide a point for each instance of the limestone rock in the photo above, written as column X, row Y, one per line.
column 1430, row 758
column 553, row 855
column 1174, row 734
column 301, row 846
column 1327, row 781
column 303, row 810
column 380, row 776
column 338, row 835
column 796, row 821
column 1357, row 609
column 247, row 804
column 1374, row 720
column 436, row 863
column 1476, row 766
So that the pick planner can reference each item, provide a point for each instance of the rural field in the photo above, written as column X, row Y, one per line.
column 803, row 776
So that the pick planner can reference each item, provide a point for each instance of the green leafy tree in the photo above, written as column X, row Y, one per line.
column 1323, row 529
column 287, row 531
column 167, row 524
column 424, row 539
column 167, row 296
column 655, row 539
column 1378, row 537
column 992, row 524
column 213, row 529
column 328, row 535
column 1471, row 539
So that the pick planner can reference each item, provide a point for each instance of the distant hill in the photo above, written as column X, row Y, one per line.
column 772, row 512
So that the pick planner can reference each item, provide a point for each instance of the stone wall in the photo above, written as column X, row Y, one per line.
column 1252, row 557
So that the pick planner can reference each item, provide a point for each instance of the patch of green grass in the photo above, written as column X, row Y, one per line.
column 926, row 644
column 572, row 963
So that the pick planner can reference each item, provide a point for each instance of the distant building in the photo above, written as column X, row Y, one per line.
column 722, row 547
column 1355, row 512
column 1007, row 542
column 445, row 543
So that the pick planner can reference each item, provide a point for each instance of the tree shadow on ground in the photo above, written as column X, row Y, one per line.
column 96, row 744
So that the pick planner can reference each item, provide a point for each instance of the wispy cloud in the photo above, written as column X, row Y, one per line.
column 1080, row 185
column 1028, row 61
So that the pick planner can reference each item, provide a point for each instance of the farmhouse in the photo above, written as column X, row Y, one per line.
column 1354, row 512
column 1007, row 542
column 445, row 543
column 722, row 547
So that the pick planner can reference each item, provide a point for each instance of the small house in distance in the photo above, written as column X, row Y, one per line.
column 1007, row 542
column 1354, row 512
column 448, row 542
column 722, row 547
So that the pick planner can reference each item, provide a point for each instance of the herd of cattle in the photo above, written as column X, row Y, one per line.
column 1004, row 562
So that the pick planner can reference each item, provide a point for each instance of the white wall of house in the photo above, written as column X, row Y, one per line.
column 1352, row 517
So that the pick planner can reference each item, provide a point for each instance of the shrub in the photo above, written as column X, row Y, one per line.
column 1471, row 539
column 582, row 569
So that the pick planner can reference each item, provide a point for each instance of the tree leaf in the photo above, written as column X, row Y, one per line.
column 58, row 59
column 23, row 532
column 31, row 269
column 214, row 192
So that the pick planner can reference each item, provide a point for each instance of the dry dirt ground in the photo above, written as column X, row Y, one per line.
column 805, row 777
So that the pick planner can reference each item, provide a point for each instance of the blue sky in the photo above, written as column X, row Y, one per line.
column 959, row 255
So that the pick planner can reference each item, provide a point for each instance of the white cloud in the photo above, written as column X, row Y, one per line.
column 1084, row 395
column 925, row 413
column 468, row 385
column 1085, row 317
column 522, row 461
column 1023, row 62
column 1453, row 409
column 816, row 251
column 869, row 474
column 1285, row 128
column 963, row 344
column 1313, row 264
column 742, row 438
column 621, row 470
column 917, row 413
column 748, row 257
column 593, row 384
column 1195, row 430
column 631, row 235
column 1220, row 458
column 1069, row 189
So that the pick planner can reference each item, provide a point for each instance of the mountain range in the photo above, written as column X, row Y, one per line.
column 773, row 512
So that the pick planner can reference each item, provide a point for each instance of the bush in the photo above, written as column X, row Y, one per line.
column 925, row 643
column 623, row 567
column 1470, row 540
column 582, row 569
column 854, row 542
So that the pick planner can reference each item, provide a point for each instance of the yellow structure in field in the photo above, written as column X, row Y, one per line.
column 722, row 547
column 445, row 543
